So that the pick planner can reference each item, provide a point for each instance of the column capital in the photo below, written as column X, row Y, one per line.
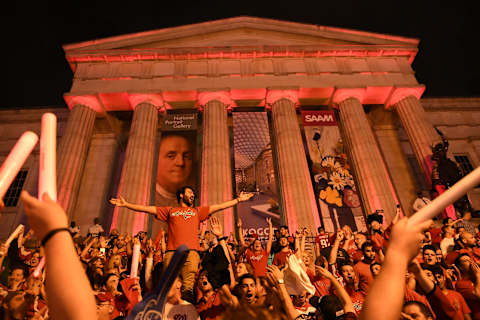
column 273, row 95
column 90, row 101
column 400, row 93
column 154, row 99
column 342, row 94
column 223, row 96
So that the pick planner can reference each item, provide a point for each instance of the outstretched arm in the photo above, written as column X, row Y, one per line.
column 121, row 202
column 227, row 204
column 69, row 293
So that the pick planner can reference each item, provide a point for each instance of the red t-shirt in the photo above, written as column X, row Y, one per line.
column 211, row 308
column 183, row 225
column 457, row 301
column 323, row 286
column 258, row 262
column 465, row 288
column 358, row 297
column 442, row 306
column 436, row 234
column 280, row 258
column 364, row 275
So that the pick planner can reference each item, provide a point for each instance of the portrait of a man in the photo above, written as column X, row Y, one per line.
column 175, row 163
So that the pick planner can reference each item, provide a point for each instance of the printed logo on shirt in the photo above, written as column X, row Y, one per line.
column 256, row 258
column 186, row 213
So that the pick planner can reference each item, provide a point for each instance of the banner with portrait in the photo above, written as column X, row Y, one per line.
column 254, row 172
column 335, row 189
column 178, row 159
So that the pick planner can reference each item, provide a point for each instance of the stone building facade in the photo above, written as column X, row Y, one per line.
column 124, row 85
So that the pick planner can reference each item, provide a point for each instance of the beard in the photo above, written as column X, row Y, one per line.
column 188, row 201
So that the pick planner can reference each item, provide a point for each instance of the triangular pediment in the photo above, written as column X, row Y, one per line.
column 243, row 32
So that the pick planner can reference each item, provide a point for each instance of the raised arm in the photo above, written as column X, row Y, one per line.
column 332, row 259
column 276, row 278
column 339, row 289
column 270, row 235
column 385, row 297
column 227, row 204
column 121, row 202
column 240, row 233
column 218, row 232
column 69, row 293
column 423, row 281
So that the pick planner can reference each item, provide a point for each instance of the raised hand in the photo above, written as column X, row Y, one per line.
column 305, row 231
column 406, row 240
column 216, row 227
column 244, row 196
column 43, row 216
column 323, row 272
column 119, row 202
column 340, row 236
column 274, row 273
column 269, row 221
column 3, row 249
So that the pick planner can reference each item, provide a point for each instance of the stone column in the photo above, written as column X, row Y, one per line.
column 73, row 148
column 136, row 179
column 297, row 196
column 373, row 180
column 420, row 131
column 216, row 165
column 385, row 127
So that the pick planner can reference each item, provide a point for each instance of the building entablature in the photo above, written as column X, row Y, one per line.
column 245, row 97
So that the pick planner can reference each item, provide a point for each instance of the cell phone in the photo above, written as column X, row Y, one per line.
column 102, row 251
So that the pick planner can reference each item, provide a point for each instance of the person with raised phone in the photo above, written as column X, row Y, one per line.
column 183, row 228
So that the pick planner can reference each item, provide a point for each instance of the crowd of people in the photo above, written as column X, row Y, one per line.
column 428, row 271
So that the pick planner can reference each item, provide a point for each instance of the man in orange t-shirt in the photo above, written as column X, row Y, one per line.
column 183, row 228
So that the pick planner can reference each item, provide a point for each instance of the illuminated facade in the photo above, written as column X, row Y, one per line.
column 123, row 86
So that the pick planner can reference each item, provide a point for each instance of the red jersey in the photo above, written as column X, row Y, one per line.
column 258, row 261
column 183, row 225
column 323, row 240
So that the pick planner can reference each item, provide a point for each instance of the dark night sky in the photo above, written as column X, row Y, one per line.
column 35, row 72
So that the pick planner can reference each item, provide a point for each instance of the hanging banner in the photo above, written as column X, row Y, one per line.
column 255, row 172
column 333, row 182
column 177, row 160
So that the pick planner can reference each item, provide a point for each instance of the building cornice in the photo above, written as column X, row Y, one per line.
column 451, row 103
column 250, row 52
